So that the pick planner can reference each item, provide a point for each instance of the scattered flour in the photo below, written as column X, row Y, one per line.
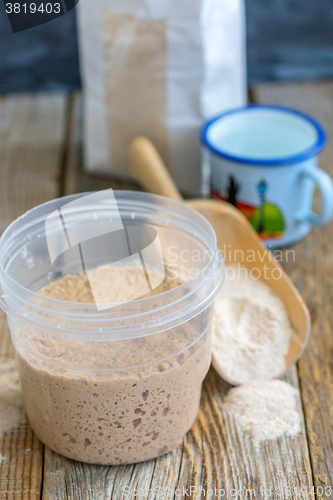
column 11, row 402
column 264, row 410
column 252, row 330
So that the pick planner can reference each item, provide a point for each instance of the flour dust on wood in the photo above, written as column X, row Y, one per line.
column 265, row 410
column 11, row 403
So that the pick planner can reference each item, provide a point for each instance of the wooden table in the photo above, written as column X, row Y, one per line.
column 40, row 158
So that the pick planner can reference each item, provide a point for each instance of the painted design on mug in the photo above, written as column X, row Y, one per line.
column 266, row 218
column 233, row 188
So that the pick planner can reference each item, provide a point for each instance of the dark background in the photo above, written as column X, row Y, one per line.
column 287, row 40
column 41, row 58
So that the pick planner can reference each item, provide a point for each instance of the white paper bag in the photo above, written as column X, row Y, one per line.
column 158, row 68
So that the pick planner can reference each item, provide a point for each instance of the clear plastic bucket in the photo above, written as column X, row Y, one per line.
column 118, row 385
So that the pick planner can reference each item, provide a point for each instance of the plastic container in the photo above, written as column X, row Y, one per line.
column 120, row 385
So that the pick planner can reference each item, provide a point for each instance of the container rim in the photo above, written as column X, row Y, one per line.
column 268, row 162
column 181, row 303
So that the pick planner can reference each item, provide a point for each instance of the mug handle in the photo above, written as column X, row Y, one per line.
column 325, row 186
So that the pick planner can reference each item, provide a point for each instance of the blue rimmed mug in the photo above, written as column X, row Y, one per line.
column 263, row 160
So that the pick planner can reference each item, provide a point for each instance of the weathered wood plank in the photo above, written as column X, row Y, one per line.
column 31, row 145
column 311, row 270
column 214, row 454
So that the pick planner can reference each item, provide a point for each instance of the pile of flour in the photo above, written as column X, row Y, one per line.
column 252, row 333
column 252, row 330
column 264, row 410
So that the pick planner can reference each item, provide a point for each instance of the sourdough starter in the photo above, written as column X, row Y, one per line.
column 119, row 414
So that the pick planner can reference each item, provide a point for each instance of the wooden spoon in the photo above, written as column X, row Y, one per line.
column 237, row 240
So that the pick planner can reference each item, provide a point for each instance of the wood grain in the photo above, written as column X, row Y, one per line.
column 214, row 454
column 31, row 147
column 311, row 270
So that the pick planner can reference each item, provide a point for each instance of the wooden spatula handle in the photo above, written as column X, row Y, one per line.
column 149, row 171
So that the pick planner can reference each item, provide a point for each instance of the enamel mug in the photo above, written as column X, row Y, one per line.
column 263, row 160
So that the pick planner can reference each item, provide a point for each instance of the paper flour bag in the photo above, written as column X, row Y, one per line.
column 158, row 68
